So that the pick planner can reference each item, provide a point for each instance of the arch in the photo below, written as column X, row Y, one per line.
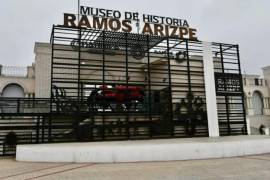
column 5, row 84
column 13, row 90
column 257, row 103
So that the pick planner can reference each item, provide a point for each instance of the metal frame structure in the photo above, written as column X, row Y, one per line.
column 173, row 104
column 230, row 97
column 116, row 86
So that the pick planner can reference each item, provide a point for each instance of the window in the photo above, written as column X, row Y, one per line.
column 257, row 103
column 256, row 81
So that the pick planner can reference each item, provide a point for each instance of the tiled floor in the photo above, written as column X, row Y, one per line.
column 249, row 167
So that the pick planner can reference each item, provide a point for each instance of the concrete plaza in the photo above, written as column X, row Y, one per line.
column 247, row 167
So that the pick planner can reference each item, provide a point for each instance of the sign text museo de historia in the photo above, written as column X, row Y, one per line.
column 114, row 20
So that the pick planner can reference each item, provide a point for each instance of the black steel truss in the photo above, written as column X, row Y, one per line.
column 229, row 87
column 170, row 91
column 116, row 86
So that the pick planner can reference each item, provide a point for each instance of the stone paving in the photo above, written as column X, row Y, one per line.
column 247, row 168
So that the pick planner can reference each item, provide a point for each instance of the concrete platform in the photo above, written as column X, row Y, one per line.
column 145, row 150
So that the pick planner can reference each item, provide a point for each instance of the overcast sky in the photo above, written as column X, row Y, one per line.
column 243, row 22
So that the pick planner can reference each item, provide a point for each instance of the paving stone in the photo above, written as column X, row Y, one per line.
column 242, row 168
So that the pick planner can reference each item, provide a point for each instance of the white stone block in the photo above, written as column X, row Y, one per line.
column 148, row 150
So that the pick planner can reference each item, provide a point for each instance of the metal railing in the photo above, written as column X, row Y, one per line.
column 13, row 71
column 24, row 106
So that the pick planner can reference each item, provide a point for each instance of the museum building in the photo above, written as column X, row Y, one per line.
column 92, row 84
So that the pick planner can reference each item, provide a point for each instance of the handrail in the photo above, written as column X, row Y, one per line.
column 13, row 71
column 24, row 105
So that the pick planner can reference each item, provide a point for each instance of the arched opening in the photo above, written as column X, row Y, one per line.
column 257, row 102
column 13, row 90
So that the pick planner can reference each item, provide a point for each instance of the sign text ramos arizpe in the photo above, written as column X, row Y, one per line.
column 114, row 20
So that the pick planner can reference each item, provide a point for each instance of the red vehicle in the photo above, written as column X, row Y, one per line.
column 116, row 98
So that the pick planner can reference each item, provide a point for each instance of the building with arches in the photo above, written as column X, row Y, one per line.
column 257, row 96
column 120, row 86
column 17, row 81
column 34, row 82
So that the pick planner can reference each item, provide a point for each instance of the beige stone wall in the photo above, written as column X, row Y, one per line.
column 42, row 70
column 115, row 68
column 257, row 121
column 92, row 69
column 249, row 88
column 28, row 84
